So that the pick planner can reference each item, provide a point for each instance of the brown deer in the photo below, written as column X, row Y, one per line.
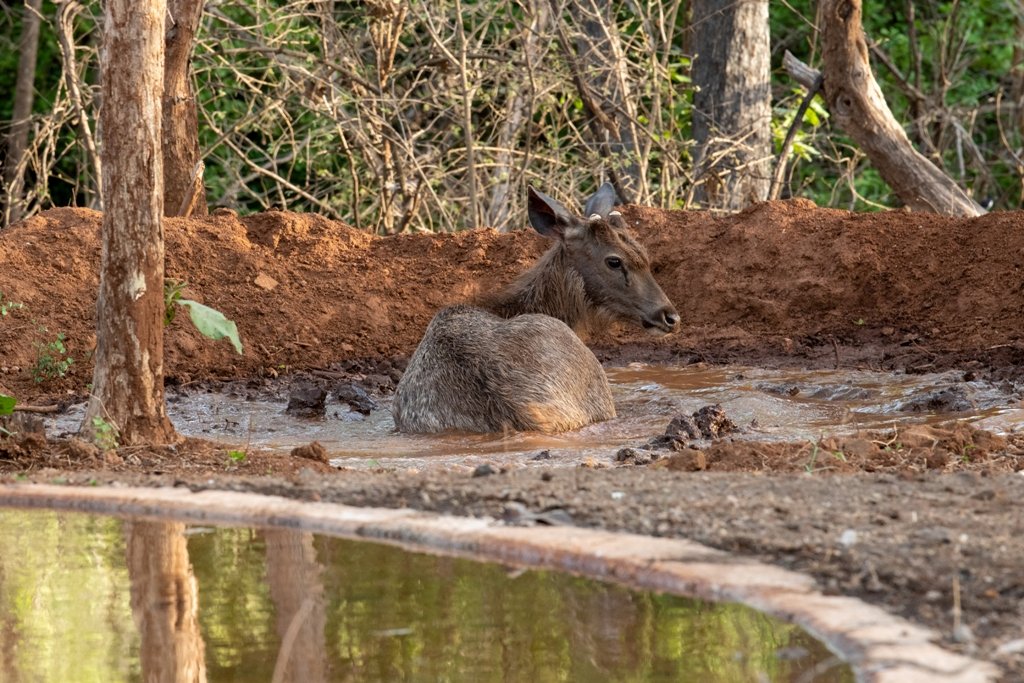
column 514, row 361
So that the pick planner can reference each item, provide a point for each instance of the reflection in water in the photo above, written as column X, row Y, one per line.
column 165, row 602
column 289, row 606
column 297, row 592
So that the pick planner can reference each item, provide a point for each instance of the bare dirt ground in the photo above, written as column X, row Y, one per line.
column 929, row 524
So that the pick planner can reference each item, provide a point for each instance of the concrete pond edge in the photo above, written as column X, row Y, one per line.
column 880, row 647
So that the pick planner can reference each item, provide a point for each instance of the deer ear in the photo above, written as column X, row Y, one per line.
column 601, row 202
column 547, row 215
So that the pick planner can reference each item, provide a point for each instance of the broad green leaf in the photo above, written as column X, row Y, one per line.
column 7, row 404
column 212, row 323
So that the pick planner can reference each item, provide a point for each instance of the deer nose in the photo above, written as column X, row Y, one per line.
column 664, row 321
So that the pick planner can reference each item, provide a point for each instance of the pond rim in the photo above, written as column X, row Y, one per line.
column 878, row 646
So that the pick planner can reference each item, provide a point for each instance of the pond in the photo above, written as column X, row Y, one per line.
column 94, row 598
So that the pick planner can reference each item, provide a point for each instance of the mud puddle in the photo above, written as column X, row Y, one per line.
column 772, row 405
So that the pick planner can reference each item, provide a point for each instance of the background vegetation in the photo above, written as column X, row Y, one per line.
column 417, row 115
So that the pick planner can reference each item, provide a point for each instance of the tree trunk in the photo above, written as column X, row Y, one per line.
column 165, row 602
column 858, row 107
column 184, row 192
column 517, row 117
column 1017, row 71
column 600, row 74
column 24, row 90
column 731, row 102
column 128, row 381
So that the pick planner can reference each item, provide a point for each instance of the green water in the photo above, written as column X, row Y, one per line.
column 86, row 598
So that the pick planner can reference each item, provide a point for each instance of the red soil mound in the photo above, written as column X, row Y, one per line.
column 780, row 282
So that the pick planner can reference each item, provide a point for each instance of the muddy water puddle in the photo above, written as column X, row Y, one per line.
column 766, row 405
column 93, row 598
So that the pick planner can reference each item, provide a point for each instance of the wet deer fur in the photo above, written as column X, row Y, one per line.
column 515, row 361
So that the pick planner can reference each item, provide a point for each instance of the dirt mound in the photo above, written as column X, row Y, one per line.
column 780, row 281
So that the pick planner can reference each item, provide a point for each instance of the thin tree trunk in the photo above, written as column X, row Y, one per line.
column 732, row 102
column 66, row 36
column 1017, row 70
column 165, row 603
column 24, row 91
column 599, row 71
column 517, row 116
column 858, row 107
column 184, row 192
column 128, row 381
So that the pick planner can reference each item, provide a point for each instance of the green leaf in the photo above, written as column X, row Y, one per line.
column 212, row 323
column 7, row 404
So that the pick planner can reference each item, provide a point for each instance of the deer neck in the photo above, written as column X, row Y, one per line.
column 551, row 287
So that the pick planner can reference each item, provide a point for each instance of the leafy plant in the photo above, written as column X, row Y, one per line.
column 172, row 295
column 237, row 456
column 105, row 434
column 7, row 306
column 209, row 321
column 52, row 359
column 809, row 467
column 7, row 404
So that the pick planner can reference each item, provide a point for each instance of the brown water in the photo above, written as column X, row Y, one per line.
column 767, row 404
column 89, row 598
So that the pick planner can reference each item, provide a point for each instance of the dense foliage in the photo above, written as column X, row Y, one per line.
column 435, row 115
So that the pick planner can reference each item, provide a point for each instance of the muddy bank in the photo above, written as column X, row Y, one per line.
column 783, row 282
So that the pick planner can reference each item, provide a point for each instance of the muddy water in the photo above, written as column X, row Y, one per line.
column 765, row 404
column 88, row 598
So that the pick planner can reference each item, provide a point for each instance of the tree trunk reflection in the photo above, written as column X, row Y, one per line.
column 165, row 603
column 297, row 590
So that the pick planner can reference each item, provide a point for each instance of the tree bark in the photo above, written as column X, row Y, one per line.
column 165, row 603
column 858, row 107
column 517, row 117
column 732, row 102
column 184, row 192
column 599, row 72
column 128, row 380
column 24, row 91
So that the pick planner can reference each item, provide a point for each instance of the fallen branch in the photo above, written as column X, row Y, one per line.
column 857, row 105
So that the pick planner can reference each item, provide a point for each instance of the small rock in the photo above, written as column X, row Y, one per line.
column 953, row 399
column 306, row 400
column 848, row 538
column 264, row 281
column 962, row 634
column 710, row 422
column 356, row 398
column 634, row 456
column 1011, row 647
column 484, row 470
column 555, row 517
column 683, row 427
column 312, row 451
column 689, row 460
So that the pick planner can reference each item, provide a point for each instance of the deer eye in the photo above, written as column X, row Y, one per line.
column 613, row 262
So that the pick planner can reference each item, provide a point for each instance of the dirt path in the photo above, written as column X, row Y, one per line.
column 781, row 284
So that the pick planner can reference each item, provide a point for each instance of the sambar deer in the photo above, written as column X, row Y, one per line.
column 514, row 362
